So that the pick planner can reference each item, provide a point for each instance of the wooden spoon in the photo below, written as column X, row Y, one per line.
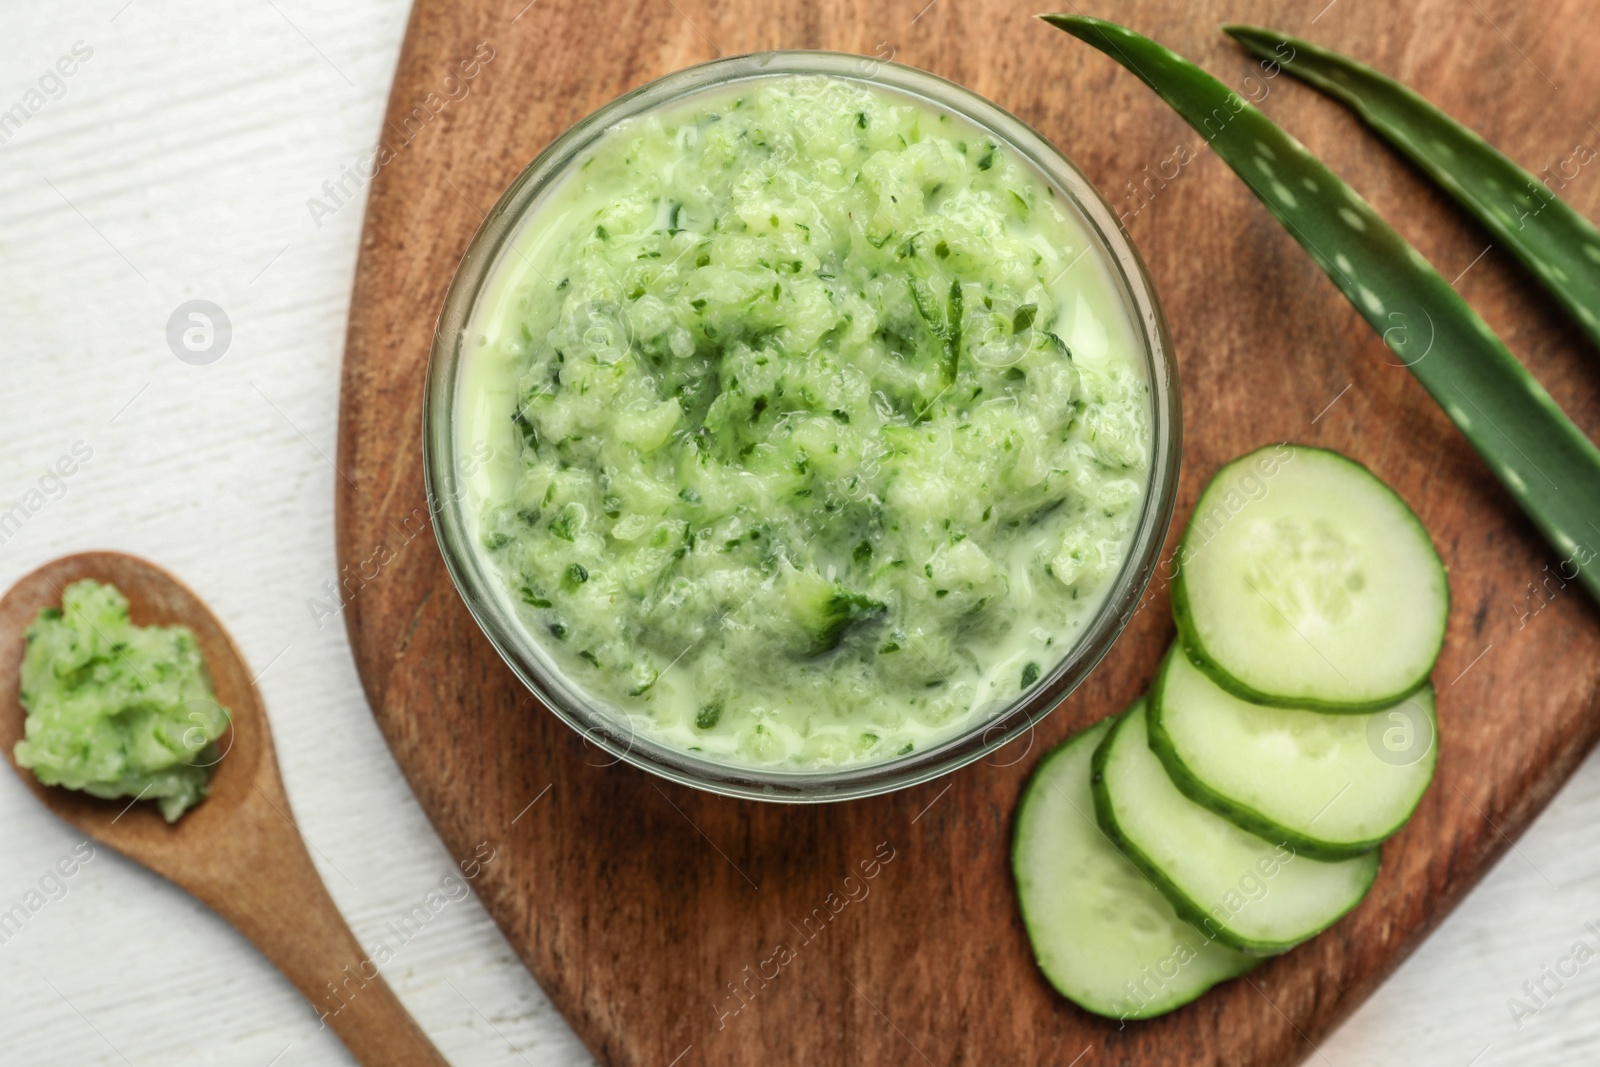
column 239, row 850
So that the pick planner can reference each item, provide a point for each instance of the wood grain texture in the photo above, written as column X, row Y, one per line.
column 647, row 910
column 239, row 851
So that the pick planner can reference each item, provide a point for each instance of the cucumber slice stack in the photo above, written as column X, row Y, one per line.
column 1289, row 732
column 1250, row 892
column 1105, row 935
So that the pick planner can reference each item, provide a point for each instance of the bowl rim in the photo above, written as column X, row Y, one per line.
column 482, row 590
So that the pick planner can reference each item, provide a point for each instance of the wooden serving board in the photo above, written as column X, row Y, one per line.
column 671, row 927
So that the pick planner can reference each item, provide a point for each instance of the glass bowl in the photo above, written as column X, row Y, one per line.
column 482, row 589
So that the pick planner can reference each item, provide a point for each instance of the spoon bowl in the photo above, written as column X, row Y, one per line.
column 239, row 851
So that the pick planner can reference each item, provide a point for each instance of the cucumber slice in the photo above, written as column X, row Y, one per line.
column 1103, row 935
column 1303, row 581
column 1247, row 892
column 1331, row 786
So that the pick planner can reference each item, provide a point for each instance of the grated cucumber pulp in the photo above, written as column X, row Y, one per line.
column 804, row 422
column 114, row 709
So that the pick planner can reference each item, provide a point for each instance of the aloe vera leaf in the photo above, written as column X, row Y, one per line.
column 1547, row 465
column 1560, row 246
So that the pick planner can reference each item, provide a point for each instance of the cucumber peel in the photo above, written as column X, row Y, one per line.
column 826, row 610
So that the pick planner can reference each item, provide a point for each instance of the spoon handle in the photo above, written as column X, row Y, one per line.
column 240, row 852
column 265, row 884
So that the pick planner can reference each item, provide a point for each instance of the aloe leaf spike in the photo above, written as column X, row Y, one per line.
column 1545, row 462
column 1557, row 244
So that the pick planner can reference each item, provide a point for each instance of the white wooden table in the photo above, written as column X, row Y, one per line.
column 175, row 163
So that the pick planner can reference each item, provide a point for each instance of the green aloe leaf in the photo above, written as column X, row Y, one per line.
column 1560, row 246
column 1549, row 467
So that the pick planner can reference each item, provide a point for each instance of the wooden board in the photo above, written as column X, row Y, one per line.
column 652, row 914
